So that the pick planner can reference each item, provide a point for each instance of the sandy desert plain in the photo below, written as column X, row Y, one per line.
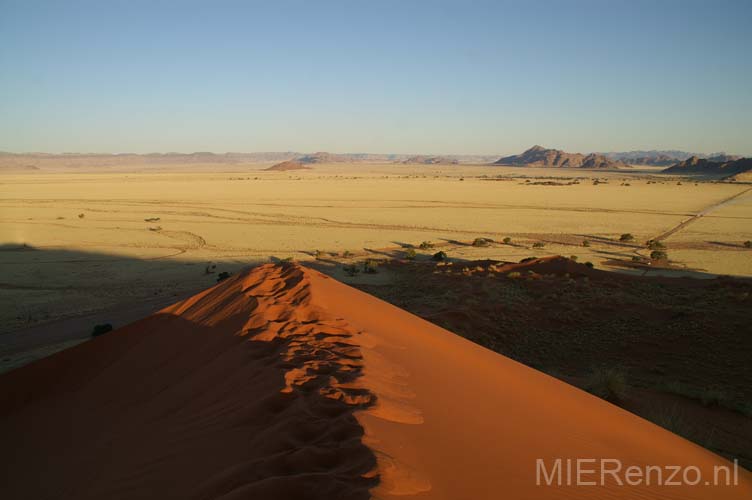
column 146, row 233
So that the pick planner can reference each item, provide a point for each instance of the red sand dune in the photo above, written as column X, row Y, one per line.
column 283, row 383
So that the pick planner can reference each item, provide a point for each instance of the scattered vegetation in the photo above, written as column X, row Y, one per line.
column 481, row 242
column 439, row 256
column 539, row 244
column 223, row 276
column 573, row 258
column 609, row 383
column 748, row 244
column 626, row 237
column 347, row 254
column 426, row 245
column 655, row 245
column 101, row 329
column 410, row 254
column 514, row 274
column 507, row 240
column 585, row 243
column 589, row 264
column 210, row 268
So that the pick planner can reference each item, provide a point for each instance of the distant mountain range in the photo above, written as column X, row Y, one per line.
column 431, row 160
column 538, row 156
column 707, row 166
column 664, row 158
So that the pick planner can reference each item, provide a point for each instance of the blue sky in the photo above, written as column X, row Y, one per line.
column 375, row 76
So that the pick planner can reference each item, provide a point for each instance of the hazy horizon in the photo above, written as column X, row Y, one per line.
column 441, row 78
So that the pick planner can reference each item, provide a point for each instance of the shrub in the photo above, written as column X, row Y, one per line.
column 514, row 274
column 748, row 244
column 507, row 240
column 573, row 257
column 539, row 244
column 589, row 264
column 81, row 216
column 346, row 254
column 410, row 254
column 585, row 243
column 658, row 255
column 317, row 254
column 481, row 242
column 370, row 266
column 636, row 258
column 426, row 245
column 626, row 237
column 101, row 329
column 607, row 383
column 223, row 276
column 655, row 245
column 351, row 269
column 439, row 256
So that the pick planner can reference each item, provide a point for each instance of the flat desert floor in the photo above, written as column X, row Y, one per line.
column 76, row 241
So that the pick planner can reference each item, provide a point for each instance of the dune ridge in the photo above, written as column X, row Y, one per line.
column 281, row 382
column 242, row 391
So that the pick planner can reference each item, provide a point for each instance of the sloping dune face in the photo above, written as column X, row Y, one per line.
column 243, row 391
column 283, row 383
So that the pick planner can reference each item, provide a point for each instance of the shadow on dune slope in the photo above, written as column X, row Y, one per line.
column 232, row 393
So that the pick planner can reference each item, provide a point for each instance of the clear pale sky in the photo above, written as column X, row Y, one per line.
column 375, row 76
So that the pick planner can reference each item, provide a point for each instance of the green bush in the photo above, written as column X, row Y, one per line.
column 101, row 329
column 514, row 274
column 439, row 256
column 370, row 266
column 426, row 245
column 658, row 255
column 573, row 258
column 589, row 264
column 507, row 240
column 539, row 244
column 655, row 245
column 223, row 276
column 748, row 244
column 410, row 254
column 626, row 237
column 585, row 243
column 481, row 242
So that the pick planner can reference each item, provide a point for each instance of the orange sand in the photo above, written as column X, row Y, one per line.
column 283, row 383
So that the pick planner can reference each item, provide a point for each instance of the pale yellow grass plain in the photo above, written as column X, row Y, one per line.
column 112, row 255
